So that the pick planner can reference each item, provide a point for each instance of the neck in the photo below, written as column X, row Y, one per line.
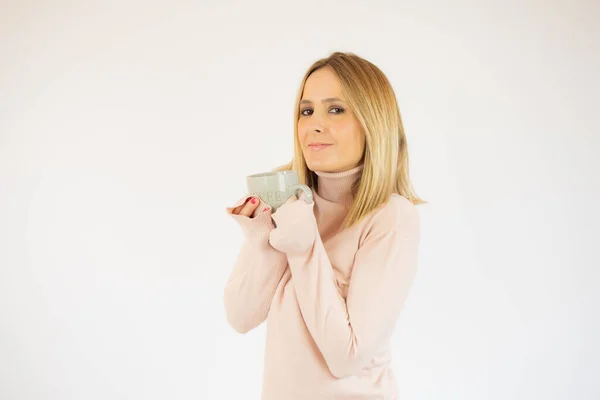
column 336, row 187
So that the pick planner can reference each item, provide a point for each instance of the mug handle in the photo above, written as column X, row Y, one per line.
column 307, row 192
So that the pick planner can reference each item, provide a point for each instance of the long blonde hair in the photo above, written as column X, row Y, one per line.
column 372, row 99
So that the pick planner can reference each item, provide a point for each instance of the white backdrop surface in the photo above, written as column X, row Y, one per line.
column 126, row 128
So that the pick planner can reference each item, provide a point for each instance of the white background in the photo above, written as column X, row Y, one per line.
column 127, row 127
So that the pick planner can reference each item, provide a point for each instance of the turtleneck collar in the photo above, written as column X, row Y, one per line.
column 336, row 186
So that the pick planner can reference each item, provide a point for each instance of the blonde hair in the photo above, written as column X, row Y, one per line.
column 372, row 100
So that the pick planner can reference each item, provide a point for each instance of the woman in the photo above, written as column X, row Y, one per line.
column 331, row 277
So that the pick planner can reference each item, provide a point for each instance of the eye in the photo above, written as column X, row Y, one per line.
column 340, row 111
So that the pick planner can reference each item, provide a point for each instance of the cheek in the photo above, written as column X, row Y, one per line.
column 361, row 142
column 301, row 132
column 350, row 137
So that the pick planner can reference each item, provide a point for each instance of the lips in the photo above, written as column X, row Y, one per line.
column 318, row 146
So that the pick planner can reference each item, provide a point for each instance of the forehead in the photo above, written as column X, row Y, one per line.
column 321, row 84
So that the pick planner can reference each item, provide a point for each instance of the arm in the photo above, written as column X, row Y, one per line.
column 349, row 333
column 255, row 274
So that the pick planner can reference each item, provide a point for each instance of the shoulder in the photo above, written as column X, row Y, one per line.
column 398, row 214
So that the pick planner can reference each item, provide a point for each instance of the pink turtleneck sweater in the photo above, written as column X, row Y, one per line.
column 331, row 297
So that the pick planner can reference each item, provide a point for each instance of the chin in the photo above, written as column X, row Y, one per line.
column 315, row 165
column 323, row 166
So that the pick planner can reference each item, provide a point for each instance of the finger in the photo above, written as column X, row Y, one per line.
column 237, row 209
column 292, row 199
column 249, row 207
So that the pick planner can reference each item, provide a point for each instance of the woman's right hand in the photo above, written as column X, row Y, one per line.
column 247, row 208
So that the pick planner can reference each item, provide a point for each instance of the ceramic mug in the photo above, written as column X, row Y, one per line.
column 275, row 188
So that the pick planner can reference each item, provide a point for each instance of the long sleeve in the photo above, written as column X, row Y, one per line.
column 255, row 274
column 350, row 332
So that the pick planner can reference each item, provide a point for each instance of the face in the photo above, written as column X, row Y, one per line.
column 331, row 137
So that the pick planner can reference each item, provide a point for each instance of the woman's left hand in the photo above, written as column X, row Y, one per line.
column 295, row 226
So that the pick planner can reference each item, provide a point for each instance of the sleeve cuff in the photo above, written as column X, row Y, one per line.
column 259, row 224
column 296, row 228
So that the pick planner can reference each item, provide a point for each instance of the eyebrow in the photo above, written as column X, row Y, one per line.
column 327, row 100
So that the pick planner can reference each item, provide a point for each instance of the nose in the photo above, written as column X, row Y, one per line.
column 316, row 126
column 314, row 129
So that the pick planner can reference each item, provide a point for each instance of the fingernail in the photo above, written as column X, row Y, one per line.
column 253, row 200
column 266, row 209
